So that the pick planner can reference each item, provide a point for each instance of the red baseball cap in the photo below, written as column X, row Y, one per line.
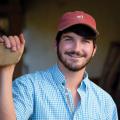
column 77, row 17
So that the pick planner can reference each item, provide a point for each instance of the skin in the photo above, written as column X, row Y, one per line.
column 74, row 53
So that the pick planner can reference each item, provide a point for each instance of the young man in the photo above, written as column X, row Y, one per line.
column 63, row 91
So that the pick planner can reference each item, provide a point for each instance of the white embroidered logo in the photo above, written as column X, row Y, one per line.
column 80, row 16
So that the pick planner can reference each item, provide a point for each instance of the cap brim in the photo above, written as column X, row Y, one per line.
column 94, row 30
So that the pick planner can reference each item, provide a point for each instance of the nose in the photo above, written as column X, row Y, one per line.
column 77, row 46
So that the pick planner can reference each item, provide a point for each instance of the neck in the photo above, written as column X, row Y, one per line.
column 73, row 79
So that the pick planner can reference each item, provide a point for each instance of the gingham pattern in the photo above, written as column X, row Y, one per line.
column 41, row 96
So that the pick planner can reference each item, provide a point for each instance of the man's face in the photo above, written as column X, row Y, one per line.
column 74, row 52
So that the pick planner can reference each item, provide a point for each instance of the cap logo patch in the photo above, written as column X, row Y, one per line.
column 80, row 16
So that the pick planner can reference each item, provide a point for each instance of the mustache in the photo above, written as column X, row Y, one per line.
column 74, row 53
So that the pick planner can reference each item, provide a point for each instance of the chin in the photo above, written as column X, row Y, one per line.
column 74, row 67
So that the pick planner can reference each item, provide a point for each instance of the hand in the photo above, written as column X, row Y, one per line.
column 11, row 49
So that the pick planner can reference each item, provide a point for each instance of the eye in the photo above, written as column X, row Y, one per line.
column 86, row 41
column 68, row 39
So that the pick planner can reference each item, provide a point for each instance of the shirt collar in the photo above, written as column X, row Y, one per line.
column 60, row 78
column 85, row 84
column 58, row 75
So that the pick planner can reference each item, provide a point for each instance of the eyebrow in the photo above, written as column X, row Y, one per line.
column 84, row 37
column 67, row 36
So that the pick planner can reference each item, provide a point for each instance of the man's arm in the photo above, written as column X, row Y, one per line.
column 6, row 101
column 7, row 111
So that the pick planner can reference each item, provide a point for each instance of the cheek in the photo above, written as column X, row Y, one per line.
column 88, row 51
column 63, row 47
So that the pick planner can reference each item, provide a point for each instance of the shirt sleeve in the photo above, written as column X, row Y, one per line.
column 115, row 114
column 112, row 113
column 23, row 97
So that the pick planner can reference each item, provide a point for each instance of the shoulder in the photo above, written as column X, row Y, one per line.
column 100, row 93
column 105, row 100
column 34, row 78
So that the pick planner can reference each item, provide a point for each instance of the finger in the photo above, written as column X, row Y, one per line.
column 22, row 39
column 17, row 40
column 6, row 41
column 13, row 43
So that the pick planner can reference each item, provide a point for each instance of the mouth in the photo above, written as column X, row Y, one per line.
column 73, row 54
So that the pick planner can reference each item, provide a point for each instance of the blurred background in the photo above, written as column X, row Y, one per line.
column 38, row 19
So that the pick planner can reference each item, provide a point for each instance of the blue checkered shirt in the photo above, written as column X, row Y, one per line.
column 42, row 96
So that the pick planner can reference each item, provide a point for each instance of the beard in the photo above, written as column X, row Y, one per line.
column 72, row 66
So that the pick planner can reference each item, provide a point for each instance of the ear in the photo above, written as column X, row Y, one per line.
column 94, row 50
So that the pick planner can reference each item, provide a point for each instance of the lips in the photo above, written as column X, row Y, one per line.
column 74, row 54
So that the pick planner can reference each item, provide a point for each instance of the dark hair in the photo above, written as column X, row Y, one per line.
column 79, row 29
